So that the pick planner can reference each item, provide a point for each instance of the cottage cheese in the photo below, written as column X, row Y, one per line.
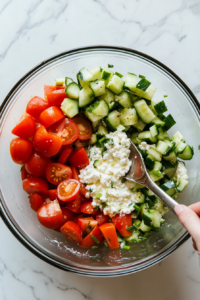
column 104, row 182
column 181, row 172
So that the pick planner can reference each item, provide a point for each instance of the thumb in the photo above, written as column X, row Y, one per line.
column 190, row 221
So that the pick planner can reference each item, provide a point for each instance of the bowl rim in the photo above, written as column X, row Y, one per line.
column 5, row 217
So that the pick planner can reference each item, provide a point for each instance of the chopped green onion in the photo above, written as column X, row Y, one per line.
column 110, row 66
column 143, row 84
column 111, row 184
column 105, row 243
column 101, row 140
column 90, row 190
column 95, row 247
column 124, row 246
column 119, row 75
column 199, row 147
column 120, row 143
column 165, row 96
column 141, row 76
column 160, row 107
column 109, row 238
column 123, row 180
column 98, row 195
column 95, row 239
column 130, row 228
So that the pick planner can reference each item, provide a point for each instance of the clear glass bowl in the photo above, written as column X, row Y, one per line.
column 51, row 246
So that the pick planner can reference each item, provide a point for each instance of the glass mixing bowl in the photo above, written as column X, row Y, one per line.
column 50, row 245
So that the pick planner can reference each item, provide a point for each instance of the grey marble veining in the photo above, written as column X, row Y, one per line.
column 33, row 30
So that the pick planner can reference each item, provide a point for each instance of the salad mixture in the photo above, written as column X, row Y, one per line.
column 74, row 145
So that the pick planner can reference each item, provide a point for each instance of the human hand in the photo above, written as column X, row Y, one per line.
column 189, row 218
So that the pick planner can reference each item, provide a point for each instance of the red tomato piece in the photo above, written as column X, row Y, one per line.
column 72, row 231
column 24, row 173
column 50, row 215
column 83, row 190
column 50, row 116
column 76, row 217
column 109, row 232
column 20, row 150
column 84, row 127
column 50, row 88
column 65, row 154
column 36, row 201
column 36, row 165
column 75, row 173
column 55, row 98
column 86, row 225
column 79, row 159
column 46, row 143
column 35, row 185
column 75, row 204
column 56, row 173
column 101, row 218
column 36, row 106
column 66, row 216
column 89, row 242
column 87, row 208
column 25, row 128
column 53, row 195
column 121, row 222
column 66, row 129
column 68, row 189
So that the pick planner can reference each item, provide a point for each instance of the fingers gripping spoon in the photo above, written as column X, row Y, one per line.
column 139, row 174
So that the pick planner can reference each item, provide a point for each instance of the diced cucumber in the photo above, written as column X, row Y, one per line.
column 144, row 111
column 96, row 73
column 109, row 97
column 94, row 124
column 159, row 123
column 149, row 162
column 113, row 120
column 157, row 166
column 171, row 157
column 137, row 224
column 187, row 154
column 134, row 237
column 70, row 107
column 144, row 207
column 73, row 90
column 84, row 77
column 140, row 125
column 86, row 96
column 68, row 80
column 92, row 117
column 162, row 134
column 160, row 107
column 169, row 187
column 134, row 138
column 147, row 94
column 98, row 87
column 180, row 147
column 112, row 105
column 144, row 227
column 162, row 147
column 115, row 85
column 60, row 81
column 102, row 130
column 147, row 137
column 139, row 197
column 153, row 153
column 181, row 185
column 97, row 163
column 134, row 97
column 99, row 108
column 177, row 135
column 154, row 130
column 152, row 218
column 124, row 99
column 93, row 139
column 155, row 177
column 106, row 75
column 168, row 169
column 128, row 116
column 130, row 82
column 169, row 122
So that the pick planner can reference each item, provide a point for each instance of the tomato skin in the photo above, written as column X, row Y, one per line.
column 50, row 215
column 83, row 190
column 25, row 128
column 36, row 165
column 72, row 231
column 36, row 106
column 85, row 128
column 87, row 208
column 75, row 173
column 76, row 217
column 86, row 225
column 50, row 88
column 109, row 232
column 20, row 150
column 55, row 98
column 74, row 205
column 121, row 222
column 56, row 173
column 50, row 116
column 88, row 242
column 24, row 173
column 46, row 143
column 72, row 186
column 36, row 201
column 67, row 215
column 35, row 185
column 65, row 154
column 53, row 195
column 101, row 218
column 79, row 159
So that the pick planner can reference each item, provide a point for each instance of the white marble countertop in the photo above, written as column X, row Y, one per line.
column 33, row 30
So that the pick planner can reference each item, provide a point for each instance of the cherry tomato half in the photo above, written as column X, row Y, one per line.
column 36, row 201
column 35, row 185
column 20, row 150
column 66, row 129
column 86, row 225
column 109, row 232
column 89, row 242
column 75, row 173
column 50, row 88
column 36, row 106
column 50, row 215
column 74, row 205
column 56, row 173
column 72, row 231
column 65, row 154
column 79, row 159
column 25, row 127
column 121, row 222
column 87, row 208
column 55, row 98
column 84, row 127
column 101, row 218
column 50, row 116
column 36, row 165
column 68, row 189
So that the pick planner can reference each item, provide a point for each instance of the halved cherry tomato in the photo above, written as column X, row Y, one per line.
column 55, row 98
column 50, row 88
column 86, row 225
column 25, row 127
column 85, row 128
column 109, row 232
column 121, row 222
column 35, row 185
column 36, row 201
column 66, row 216
column 101, row 218
column 65, row 154
column 75, row 173
column 56, row 173
column 68, row 189
column 36, row 165
column 50, row 116
column 75, row 204
column 89, row 242
column 87, row 208
column 72, row 231
column 20, row 150
column 24, row 173
column 46, row 143
column 66, row 129
column 79, row 159
column 36, row 106
column 53, row 195
column 50, row 215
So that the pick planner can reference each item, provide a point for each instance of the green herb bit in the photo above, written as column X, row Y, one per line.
column 142, row 76
column 95, row 239
column 125, row 247
column 110, row 220
column 95, row 247
column 165, row 96
column 90, row 190
column 126, row 146
column 101, row 140
column 95, row 153
column 106, row 244
column 120, row 143
column 110, row 66
column 111, row 184
column 130, row 204
column 119, row 75
column 199, row 147
column 98, row 195
column 109, row 238
column 123, row 180
column 103, row 205
column 130, row 228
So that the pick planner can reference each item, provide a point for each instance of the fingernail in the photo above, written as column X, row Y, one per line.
column 179, row 208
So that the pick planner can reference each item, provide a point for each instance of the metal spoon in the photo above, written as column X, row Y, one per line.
column 139, row 174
